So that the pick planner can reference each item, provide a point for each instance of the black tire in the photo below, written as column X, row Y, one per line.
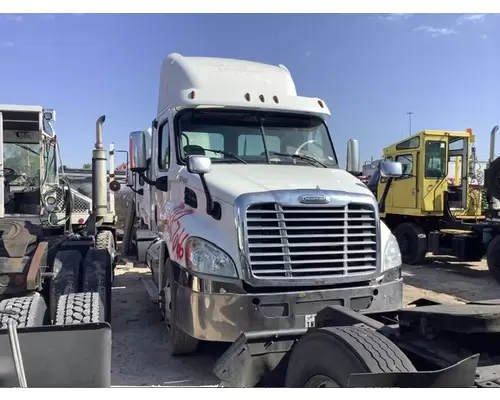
column 493, row 257
column 412, row 242
column 30, row 311
column 79, row 308
column 66, row 269
column 332, row 354
column 106, row 241
column 97, row 272
column 178, row 342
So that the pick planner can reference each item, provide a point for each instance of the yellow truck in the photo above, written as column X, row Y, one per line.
column 425, row 209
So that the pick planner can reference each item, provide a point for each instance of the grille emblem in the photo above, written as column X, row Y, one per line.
column 314, row 199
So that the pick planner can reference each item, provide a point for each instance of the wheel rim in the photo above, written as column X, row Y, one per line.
column 321, row 381
column 167, row 305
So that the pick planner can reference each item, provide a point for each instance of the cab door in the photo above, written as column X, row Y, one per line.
column 435, row 174
column 405, row 188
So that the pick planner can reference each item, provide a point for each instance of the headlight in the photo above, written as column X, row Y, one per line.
column 392, row 255
column 205, row 258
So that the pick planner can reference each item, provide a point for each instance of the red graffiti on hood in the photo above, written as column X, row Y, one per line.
column 176, row 232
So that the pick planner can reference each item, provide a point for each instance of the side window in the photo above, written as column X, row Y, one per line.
column 164, row 146
column 435, row 159
column 406, row 161
column 456, row 144
column 412, row 143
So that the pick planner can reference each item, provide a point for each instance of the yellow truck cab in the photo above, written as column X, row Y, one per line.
column 429, row 208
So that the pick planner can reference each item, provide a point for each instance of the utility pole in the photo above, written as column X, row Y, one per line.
column 409, row 113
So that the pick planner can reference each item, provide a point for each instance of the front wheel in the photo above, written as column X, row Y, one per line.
column 326, row 357
column 412, row 242
column 179, row 343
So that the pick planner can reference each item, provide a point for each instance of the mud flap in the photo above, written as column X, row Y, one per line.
column 59, row 356
column 256, row 358
column 461, row 374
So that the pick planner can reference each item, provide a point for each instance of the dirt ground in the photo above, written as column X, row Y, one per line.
column 140, row 358
column 449, row 281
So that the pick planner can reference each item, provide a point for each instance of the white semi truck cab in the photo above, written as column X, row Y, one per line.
column 250, row 223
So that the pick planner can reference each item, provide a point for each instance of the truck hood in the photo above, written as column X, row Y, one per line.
column 228, row 181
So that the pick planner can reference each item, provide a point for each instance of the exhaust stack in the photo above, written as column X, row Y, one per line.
column 492, row 143
column 99, row 174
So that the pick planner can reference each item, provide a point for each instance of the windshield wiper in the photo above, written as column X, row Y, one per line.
column 27, row 149
column 227, row 154
column 311, row 160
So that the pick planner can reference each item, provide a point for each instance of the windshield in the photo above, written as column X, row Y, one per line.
column 22, row 159
column 49, row 160
column 256, row 137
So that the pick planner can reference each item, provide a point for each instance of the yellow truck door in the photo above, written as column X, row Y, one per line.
column 404, row 189
column 435, row 174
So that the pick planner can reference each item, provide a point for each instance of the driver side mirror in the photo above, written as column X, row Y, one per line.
column 137, row 152
column 391, row 169
column 200, row 165
column 353, row 165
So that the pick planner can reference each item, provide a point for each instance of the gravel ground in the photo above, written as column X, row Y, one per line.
column 139, row 354
column 140, row 358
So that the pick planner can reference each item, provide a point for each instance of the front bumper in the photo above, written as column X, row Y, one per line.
column 223, row 317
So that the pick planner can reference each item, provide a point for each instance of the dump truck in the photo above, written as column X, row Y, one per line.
column 58, row 246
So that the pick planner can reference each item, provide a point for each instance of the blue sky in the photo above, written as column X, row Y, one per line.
column 370, row 69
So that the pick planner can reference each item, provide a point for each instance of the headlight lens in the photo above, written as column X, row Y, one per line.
column 392, row 254
column 205, row 258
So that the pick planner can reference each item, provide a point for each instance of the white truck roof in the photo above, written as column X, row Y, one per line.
column 207, row 81
column 20, row 108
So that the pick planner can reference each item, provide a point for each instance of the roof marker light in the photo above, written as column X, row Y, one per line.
column 191, row 95
column 321, row 104
column 247, row 96
column 276, row 100
column 261, row 97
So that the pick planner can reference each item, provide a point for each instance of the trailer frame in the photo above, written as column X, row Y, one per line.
column 448, row 344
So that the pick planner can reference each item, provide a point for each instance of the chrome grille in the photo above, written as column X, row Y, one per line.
column 312, row 241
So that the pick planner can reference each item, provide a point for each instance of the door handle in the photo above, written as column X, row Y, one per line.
column 414, row 192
